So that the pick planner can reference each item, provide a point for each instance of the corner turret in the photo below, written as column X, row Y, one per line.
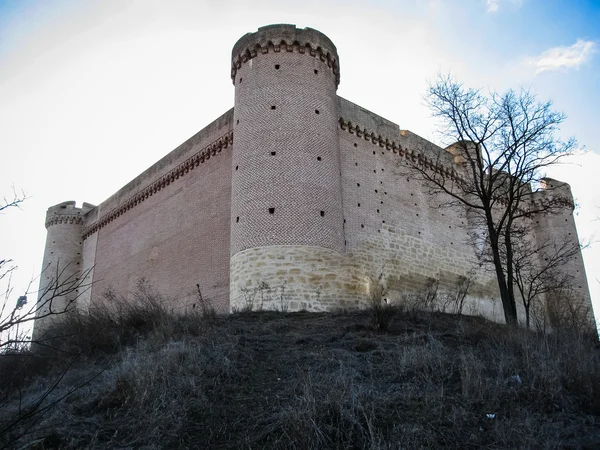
column 460, row 149
column 286, row 205
column 555, row 232
column 60, row 283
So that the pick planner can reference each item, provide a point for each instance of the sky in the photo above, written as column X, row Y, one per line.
column 94, row 92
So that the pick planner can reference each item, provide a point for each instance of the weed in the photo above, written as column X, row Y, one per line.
column 206, row 306
column 381, row 310
column 310, row 380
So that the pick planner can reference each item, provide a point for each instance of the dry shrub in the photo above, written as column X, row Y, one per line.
column 206, row 306
column 568, row 312
column 380, row 308
column 119, row 321
column 425, row 300
column 311, row 381
column 87, row 340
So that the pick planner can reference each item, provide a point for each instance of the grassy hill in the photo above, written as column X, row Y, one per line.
column 143, row 377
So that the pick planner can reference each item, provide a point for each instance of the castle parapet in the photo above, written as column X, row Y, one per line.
column 556, row 235
column 60, row 281
column 553, row 194
column 286, row 193
column 285, row 38
column 463, row 151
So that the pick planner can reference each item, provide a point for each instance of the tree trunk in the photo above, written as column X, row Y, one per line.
column 508, row 302
column 509, row 271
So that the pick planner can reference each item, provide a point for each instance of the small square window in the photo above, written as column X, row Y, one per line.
column 271, row 210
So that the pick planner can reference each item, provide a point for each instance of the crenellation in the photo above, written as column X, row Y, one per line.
column 275, row 37
column 296, row 197
column 419, row 156
column 203, row 155
column 62, row 263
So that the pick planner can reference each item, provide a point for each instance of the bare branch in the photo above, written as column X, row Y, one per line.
column 501, row 145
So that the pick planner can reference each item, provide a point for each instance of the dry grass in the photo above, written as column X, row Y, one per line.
column 309, row 381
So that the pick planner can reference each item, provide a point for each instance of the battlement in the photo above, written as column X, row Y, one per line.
column 295, row 196
column 67, row 213
column 429, row 157
column 555, row 191
column 285, row 38
column 155, row 185
column 460, row 149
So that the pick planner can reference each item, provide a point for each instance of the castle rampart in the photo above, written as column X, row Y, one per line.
column 286, row 187
column 157, row 227
column 556, row 234
column 294, row 199
column 61, row 266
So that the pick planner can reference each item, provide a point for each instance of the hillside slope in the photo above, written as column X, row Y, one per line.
column 305, row 381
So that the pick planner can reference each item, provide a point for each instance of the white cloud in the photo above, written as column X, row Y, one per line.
column 494, row 5
column 558, row 58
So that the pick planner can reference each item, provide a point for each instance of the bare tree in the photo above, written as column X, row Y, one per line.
column 58, row 296
column 503, row 143
column 538, row 271
column 6, row 265
column 13, row 202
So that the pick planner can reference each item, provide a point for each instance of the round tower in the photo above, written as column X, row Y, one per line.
column 61, row 267
column 286, row 201
column 556, row 235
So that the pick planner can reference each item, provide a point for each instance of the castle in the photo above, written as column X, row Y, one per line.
column 292, row 199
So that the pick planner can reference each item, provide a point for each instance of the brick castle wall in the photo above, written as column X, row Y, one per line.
column 559, row 230
column 61, row 266
column 286, row 167
column 169, row 226
column 393, row 225
column 295, row 199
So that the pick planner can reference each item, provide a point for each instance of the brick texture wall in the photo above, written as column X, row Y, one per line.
column 286, row 171
column 393, row 225
column 177, row 236
column 559, row 229
column 296, row 199
column 61, row 265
